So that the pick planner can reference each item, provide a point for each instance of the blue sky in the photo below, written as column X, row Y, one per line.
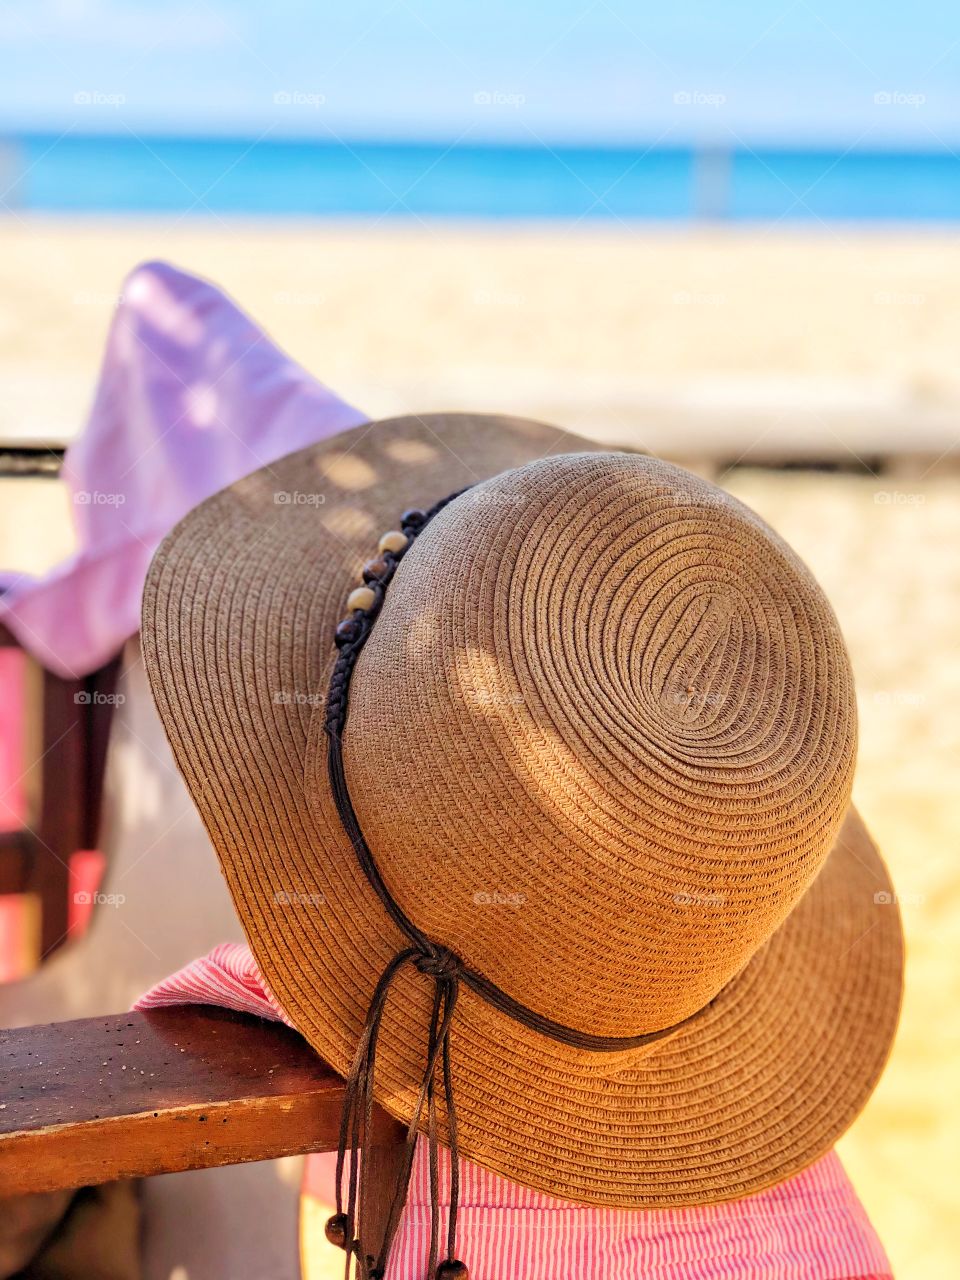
column 569, row 70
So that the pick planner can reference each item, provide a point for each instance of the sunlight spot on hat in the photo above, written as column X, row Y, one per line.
column 410, row 451
column 347, row 521
column 179, row 1273
column 423, row 631
column 486, row 688
column 348, row 471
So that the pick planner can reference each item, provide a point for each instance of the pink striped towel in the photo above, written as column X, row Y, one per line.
column 811, row 1227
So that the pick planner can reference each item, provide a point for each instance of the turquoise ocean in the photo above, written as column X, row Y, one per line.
column 128, row 174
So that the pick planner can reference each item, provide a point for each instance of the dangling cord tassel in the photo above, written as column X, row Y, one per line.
column 340, row 1229
column 452, row 1269
column 434, row 1159
column 347, row 1226
column 440, row 1038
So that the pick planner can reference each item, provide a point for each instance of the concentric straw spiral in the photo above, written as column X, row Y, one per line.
column 601, row 681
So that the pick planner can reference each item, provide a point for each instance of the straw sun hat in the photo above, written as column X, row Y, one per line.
column 597, row 734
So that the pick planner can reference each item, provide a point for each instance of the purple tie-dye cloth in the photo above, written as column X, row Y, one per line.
column 192, row 396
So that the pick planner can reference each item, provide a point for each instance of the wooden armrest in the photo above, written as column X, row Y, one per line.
column 143, row 1093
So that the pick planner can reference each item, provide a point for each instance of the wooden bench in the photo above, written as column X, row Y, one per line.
column 191, row 1087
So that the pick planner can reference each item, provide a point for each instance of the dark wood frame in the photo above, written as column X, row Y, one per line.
column 69, row 726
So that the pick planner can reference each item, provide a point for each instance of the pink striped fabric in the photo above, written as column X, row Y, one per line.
column 811, row 1227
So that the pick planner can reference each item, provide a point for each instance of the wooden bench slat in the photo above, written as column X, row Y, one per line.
column 142, row 1093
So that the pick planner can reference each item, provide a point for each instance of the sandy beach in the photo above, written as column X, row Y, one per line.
column 734, row 346
column 837, row 340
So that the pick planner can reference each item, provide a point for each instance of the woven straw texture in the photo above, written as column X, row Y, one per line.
column 601, row 742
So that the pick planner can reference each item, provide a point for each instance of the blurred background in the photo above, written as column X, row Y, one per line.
column 728, row 234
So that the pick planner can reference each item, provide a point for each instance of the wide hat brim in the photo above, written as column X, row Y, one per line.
column 239, row 611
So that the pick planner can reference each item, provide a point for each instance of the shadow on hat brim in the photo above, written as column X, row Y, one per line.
column 239, row 611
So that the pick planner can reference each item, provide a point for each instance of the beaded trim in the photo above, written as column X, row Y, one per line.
column 365, row 603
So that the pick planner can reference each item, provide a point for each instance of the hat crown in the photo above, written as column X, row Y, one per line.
column 601, row 737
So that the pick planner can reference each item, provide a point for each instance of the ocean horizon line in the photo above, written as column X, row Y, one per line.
column 944, row 150
column 133, row 173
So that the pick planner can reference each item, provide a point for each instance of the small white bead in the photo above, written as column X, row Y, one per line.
column 361, row 598
column 393, row 541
